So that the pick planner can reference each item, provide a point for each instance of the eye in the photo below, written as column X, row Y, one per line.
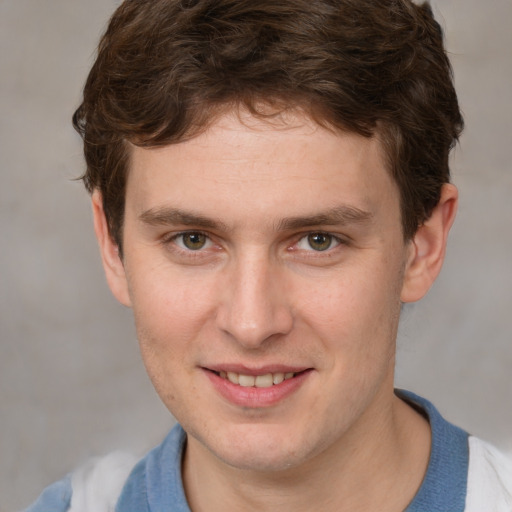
column 192, row 241
column 318, row 242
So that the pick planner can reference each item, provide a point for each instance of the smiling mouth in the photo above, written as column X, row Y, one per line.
column 256, row 381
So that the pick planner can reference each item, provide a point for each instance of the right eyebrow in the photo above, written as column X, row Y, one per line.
column 338, row 216
column 165, row 216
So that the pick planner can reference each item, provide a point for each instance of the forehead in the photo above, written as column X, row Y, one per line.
column 281, row 167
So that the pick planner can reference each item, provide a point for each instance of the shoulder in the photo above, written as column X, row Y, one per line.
column 118, row 482
column 94, row 486
column 155, row 483
column 489, row 478
column 56, row 498
column 98, row 484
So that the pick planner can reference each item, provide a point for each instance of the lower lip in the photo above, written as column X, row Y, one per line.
column 254, row 397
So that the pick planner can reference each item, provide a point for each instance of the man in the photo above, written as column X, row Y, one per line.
column 270, row 184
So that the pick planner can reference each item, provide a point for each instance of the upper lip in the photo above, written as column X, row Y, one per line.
column 255, row 370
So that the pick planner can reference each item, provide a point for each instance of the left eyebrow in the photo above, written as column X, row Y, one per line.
column 173, row 216
column 338, row 216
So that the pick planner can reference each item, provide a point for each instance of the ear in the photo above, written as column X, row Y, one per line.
column 112, row 263
column 427, row 248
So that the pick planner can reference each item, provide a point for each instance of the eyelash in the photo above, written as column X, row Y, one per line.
column 173, row 239
column 200, row 252
column 334, row 241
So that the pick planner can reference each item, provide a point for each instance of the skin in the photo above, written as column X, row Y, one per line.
column 223, row 269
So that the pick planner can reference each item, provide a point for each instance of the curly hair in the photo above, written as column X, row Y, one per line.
column 165, row 69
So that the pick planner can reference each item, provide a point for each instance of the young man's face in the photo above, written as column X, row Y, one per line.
column 259, row 253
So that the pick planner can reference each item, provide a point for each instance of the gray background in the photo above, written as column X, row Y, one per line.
column 71, row 381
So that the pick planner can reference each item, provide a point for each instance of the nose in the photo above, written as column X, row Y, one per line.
column 256, row 302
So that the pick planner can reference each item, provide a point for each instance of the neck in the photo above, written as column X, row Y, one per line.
column 377, row 465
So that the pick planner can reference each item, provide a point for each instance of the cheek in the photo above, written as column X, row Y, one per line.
column 170, row 321
column 359, row 299
column 169, row 304
column 171, row 315
column 355, row 314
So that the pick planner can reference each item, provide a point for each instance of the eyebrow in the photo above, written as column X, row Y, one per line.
column 173, row 216
column 338, row 216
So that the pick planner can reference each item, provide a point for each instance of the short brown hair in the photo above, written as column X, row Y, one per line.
column 165, row 68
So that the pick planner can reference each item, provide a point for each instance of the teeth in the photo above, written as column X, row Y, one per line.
column 246, row 381
column 233, row 377
column 264, row 381
column 260, row 381
column 278, row 378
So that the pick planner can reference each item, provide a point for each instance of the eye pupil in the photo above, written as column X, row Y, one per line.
column 319, row 241
column 194, row 241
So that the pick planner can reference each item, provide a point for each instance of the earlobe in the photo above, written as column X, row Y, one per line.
column 112, row 262
column 428, row 247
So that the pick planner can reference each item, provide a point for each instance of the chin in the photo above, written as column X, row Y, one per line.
column 262, row 461
column 265, row 449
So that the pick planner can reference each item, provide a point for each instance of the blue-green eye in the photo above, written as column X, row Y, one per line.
column 192, row 240
column 318, row 242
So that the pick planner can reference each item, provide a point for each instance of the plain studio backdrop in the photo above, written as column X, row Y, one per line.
column 71, row 381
